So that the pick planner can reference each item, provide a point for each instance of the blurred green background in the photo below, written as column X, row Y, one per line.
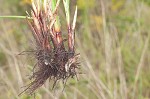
column 112, row 36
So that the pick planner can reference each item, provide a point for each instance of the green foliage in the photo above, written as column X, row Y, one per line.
column 117, row 4
column 2, row 59
column 83, row 4
column 146, row 2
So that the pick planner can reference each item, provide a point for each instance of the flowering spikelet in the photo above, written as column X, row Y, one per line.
column 54, row 60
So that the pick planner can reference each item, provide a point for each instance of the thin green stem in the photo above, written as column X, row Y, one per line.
column 18, row 17
column 66, row 6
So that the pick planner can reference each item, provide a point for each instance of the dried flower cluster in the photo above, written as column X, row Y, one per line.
column 54, row 60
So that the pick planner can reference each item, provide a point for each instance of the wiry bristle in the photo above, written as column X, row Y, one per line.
column 54, row 60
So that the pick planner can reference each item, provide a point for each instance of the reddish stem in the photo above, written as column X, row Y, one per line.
column 70, row 40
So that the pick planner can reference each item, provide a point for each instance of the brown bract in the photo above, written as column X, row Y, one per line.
column 54, row 60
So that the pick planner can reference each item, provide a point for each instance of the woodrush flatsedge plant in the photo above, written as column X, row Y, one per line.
column 55, row 61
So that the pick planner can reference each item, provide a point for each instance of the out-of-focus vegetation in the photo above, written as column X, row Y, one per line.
column 112, row 36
